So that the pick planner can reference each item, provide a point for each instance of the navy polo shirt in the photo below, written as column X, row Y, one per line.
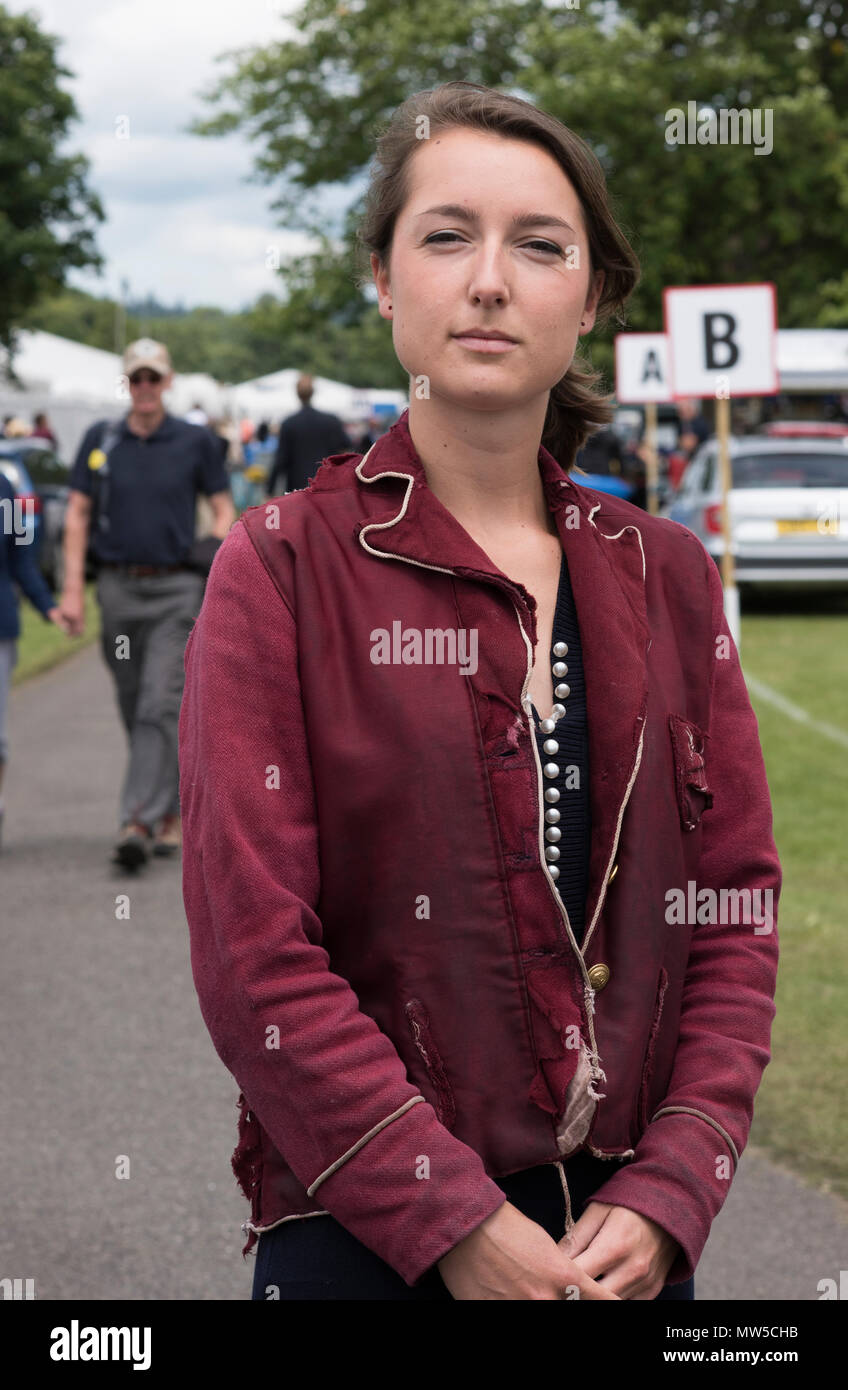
column 152, row 490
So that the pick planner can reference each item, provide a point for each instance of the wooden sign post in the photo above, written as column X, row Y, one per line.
column 722, row 342
column 641, row 378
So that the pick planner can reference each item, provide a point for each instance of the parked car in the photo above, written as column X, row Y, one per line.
column 35, row 471
column 13, row 466
column 788, row 508
column 804, row 429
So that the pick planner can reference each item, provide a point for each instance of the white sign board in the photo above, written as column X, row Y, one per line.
column 722, row 340
column 641, row 368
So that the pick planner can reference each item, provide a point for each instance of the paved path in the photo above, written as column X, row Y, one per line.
column 106, row 1054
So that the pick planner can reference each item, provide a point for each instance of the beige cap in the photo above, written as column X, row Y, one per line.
column 146, row 352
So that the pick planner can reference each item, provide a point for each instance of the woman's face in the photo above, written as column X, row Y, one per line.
column 450, row 272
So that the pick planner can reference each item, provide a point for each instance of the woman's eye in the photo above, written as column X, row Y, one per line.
column 547, row 246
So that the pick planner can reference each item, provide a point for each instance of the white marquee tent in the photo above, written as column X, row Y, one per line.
column 77, row 384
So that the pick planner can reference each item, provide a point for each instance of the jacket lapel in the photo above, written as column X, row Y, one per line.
column 606, row 567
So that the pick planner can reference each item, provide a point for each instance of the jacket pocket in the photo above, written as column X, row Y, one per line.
column 419, row 1023
column 648, row 1064
column 693, row 794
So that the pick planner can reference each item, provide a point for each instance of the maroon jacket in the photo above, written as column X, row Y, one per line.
column 374, row 929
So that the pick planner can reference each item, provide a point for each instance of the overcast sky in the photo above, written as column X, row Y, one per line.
column 181, row 221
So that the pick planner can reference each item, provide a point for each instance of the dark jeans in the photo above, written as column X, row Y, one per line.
column 316, row 1258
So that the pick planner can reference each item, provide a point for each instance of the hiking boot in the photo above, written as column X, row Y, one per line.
column 131, row 847
column 169, row 837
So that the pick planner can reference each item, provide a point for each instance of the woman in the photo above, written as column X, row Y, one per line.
column 434, row 888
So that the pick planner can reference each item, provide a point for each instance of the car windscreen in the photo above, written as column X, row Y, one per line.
column 14, row 470
column 43, row 466
column 804, row 469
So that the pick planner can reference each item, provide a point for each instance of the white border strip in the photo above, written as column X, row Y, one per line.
column 795, row 712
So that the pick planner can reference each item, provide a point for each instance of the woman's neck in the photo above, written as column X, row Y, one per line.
column 484, row 466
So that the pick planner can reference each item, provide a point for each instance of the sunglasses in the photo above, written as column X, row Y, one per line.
column 144, row 376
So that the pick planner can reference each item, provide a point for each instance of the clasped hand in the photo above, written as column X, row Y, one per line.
column 612, row 1253
column 623, row 1251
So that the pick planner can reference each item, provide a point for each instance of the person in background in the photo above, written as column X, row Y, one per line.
column 15, row 428
column 364, row 438
column 225, row 430
column 305, row 440
column 694, row 427
column 258, row 458
column 17, row 566
column 41, row 429
column 141, row 512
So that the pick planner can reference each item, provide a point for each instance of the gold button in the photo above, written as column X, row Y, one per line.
column 613, row 874
column 598, row 976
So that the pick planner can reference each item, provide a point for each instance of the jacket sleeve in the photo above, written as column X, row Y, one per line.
column 25, row 572
column 327, row 1085
column 685, row 1161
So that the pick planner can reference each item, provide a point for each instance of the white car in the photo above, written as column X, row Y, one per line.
column 788, row 508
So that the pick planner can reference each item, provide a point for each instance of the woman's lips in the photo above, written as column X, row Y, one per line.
column 486, row 344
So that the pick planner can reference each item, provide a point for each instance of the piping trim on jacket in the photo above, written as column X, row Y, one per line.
column 569, row 1219
column 297, row 1216
column 607, row 1153
column 360, row 1143
column 603, row 893
column 594, row 1059
column 628, row 527
column 687, row 1110
column 384, row 525
column 605, row 884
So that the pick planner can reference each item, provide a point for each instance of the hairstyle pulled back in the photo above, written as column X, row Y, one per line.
column 576, row 407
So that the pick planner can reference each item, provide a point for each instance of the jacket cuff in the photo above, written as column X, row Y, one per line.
column 679, row 1177
column 411, row 1193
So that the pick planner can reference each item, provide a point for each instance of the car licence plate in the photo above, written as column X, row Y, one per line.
column 789, row 528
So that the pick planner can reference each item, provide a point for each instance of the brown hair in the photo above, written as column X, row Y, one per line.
column 576, row 408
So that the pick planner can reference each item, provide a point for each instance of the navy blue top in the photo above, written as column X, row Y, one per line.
column 18, row 565
column 571, row 733
column 153, row 488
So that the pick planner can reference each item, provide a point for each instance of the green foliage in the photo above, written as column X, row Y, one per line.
column 313, row 106
column 313, row 334
column 47, row 212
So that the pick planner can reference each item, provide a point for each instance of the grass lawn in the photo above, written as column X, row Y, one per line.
column 41, row 644
column 800, row 650
column 799, row 1116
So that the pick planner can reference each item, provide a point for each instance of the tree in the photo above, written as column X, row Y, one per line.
column 47, row 214
column 696, row 213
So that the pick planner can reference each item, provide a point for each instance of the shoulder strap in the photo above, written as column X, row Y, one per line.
column 108, row 439
column 110, row 435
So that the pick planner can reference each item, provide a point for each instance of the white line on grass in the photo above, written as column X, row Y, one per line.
column 774, row 697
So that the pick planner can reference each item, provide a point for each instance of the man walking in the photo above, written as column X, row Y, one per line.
column 305, row 439
column 134, row 488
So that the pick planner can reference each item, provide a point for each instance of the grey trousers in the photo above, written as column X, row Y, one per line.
column 145, row 626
